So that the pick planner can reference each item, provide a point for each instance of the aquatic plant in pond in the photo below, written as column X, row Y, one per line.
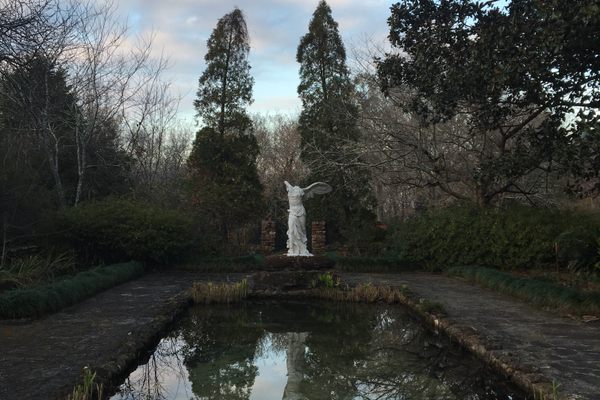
column 316, row 350
column 210, row 292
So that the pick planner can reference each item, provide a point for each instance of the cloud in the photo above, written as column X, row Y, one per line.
column 182, row 27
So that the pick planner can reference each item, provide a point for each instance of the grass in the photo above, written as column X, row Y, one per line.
column 225, row 264
column 36, row 301
column 89, row 389
column 369, row 293
column 363, row 293
column 542, row 293
column 209, row 292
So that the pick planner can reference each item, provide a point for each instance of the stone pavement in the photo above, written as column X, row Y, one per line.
column 43, row 359
column 561, row 349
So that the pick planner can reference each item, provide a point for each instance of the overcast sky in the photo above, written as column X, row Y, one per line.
column 182, row 27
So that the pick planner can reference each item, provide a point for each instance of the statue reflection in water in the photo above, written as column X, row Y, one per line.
column 296, row 347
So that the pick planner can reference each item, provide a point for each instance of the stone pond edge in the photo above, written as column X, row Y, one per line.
column 533, row 384
column 142, row 341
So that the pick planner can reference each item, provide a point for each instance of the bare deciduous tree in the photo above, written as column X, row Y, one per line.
column 279, row 159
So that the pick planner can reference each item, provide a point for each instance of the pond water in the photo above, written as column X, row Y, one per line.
column 308, row 350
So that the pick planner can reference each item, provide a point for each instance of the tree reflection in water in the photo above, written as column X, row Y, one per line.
column 331, row 351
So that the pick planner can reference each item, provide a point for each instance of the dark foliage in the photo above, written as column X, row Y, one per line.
column 118, row 229
column 514, row 237
column 513, row 73
column 327, row 123
column 224, row 183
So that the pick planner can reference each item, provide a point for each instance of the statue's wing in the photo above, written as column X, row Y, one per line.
column 316, row 188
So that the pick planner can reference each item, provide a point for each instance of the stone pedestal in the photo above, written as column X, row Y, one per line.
column 283, row 281
column 267, row 236
column 283, row 273
column 299, row 263
column 318, row 237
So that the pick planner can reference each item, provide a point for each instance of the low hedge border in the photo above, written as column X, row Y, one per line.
column 536, row 291
column 245, row 263
column 372, row 264
column 34, row 302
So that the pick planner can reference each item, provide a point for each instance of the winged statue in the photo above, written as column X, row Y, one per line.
column 296, row 232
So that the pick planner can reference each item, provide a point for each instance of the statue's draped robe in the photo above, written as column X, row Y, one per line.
column 296, row 233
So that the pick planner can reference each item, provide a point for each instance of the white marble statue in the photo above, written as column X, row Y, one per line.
column 296, row 232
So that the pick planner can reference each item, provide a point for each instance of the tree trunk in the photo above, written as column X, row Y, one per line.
column 52, row 149
column 4, row 239
column 81, row 163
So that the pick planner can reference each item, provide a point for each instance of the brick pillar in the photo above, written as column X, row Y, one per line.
column 318, row 237
column 267, row 236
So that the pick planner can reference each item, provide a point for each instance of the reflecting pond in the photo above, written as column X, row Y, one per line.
column 308, row 350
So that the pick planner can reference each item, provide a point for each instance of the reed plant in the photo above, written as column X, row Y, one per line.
column 210, row 292
column 35, row 269
column 89, row 389
column 364, row 293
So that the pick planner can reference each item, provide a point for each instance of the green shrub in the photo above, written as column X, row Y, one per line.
column 31, row 302
column 576, row 248
column 115, row 230
column 516, row 237
column 536, row 291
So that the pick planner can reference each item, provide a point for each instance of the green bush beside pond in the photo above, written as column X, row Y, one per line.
column 515, row 237
column 36, row 301
column 116, row 230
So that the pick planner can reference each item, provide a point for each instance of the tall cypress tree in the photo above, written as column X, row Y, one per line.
column 327, row 123
column 225, row 86
column 222, row 163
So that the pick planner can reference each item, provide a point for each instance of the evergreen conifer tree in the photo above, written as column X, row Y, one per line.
column 327, row 123
column 222, row 163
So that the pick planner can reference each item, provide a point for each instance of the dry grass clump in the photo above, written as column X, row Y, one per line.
column 364, row 293
column 209, row 292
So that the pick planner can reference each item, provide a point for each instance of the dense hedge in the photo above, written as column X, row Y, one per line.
column 32, row 302
column 116, row 230
column 516, row 237
column 540, row 292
